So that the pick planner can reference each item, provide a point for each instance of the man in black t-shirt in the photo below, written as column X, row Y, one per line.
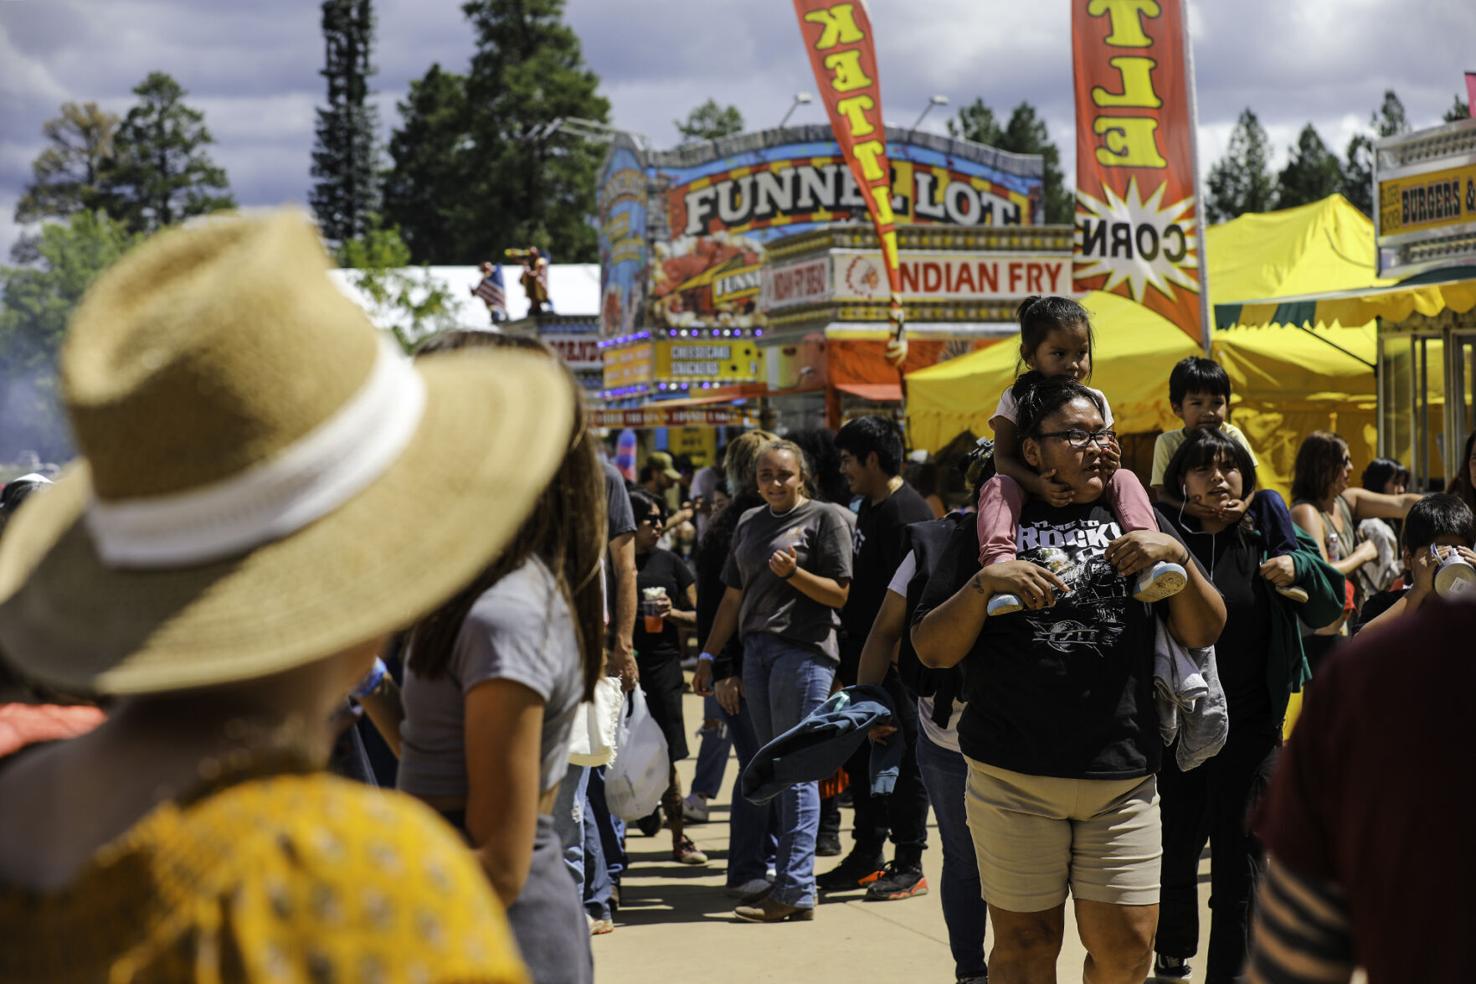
column 871, row 461
column 1060, row 732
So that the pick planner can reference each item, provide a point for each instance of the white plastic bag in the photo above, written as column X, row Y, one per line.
column 642, row 770
column 594, row 738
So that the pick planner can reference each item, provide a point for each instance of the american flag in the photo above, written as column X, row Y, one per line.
column 493, row 294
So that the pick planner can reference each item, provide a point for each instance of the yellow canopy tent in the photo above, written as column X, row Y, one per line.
column 1286, row 381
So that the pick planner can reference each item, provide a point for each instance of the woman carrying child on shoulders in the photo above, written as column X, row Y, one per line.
column 1056, row 342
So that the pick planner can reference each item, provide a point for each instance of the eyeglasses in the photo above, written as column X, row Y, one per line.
column 1079, row 439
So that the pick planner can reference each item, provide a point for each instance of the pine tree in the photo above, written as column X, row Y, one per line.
column 160, row 172
column 64, row 176
column 530, row 185
column 1387, row 121
column 345, row 161
column 1024, row 133
column 426, row 187
column 1311, row 174
column 1241, row 181
column 710, row 122
column 1459, row 110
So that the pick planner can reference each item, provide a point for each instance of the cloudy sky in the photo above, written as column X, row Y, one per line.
column 252, row 67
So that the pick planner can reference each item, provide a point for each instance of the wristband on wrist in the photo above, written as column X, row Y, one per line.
column 705, row 657
column 371, row 682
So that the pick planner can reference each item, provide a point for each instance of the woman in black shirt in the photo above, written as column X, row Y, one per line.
column 658, row 649
column 1260, row 662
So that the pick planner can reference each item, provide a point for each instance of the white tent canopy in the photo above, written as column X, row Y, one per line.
column 574, row 289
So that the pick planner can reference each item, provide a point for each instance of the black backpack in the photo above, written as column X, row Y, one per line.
column 952, row 540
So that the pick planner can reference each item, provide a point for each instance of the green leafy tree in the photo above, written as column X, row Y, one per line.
column 1241, row 181
column 345, row 157
column 37, row 302
column 530, row 184
column 426, row 187
column 710, row 122
column 1024, row 133
column 1388, row 120
column 1459, row 110
column 64, row 176
column 407, row 301
column 1311, row 173
column 160, row 172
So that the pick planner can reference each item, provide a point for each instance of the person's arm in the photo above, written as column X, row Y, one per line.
column 724, row 624
column 503, row 734
column 684, row 616
column 945, row 635
column 1302, row 931
column 1308, row 518
column 385, row 711
column 1379, row 505
column 1197, row 613
column 880, row 648
column 828, row 591
column 1008, row 461
column 622, row 659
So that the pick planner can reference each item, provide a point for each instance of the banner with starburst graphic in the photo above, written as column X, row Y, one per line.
column 1138, row 229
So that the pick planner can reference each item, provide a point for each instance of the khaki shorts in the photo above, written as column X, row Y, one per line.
column 1037, row 836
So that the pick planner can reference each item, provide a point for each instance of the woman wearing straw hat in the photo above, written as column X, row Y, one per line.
column 268, row 491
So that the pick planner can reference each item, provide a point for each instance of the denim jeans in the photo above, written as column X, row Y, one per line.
column 579, row 835
column 784, row 681
column 945, row 773
column 712, row 754
column 752, row 830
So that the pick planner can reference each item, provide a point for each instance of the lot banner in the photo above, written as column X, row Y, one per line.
column 1138, row 228
column 843, row 55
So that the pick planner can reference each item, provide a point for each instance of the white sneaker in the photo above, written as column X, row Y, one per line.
column 1163, row 580
column 751, row 887
column 694, row 808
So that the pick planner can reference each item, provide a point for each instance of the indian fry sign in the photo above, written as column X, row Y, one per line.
column 843, row 56
column 1137, row 207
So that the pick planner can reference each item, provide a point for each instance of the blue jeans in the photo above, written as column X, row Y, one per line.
column 609, row 829
column 751, row 829
column 579, row 835
column 712, row 754
column 945, row 772
column 784, row 681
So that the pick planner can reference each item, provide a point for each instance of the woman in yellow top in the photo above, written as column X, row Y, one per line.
column 267, row 491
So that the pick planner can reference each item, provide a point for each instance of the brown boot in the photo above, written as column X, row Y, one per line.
column 767, row 910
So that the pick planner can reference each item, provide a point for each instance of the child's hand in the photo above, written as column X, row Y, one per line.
column 1111, row 458
column 1056, row 493
column 1232, row 510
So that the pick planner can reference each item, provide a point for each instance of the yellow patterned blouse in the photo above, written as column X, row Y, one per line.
column 292, row 878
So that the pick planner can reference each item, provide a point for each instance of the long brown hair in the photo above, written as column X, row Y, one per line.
column 566, row 531
column 1319, row 463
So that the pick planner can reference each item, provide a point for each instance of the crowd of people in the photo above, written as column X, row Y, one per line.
column 287, row 549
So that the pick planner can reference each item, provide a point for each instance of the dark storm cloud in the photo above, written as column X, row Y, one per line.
column 253, row 67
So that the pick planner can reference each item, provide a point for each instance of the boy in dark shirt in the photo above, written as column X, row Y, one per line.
column 1437, row 527
column 871, row 461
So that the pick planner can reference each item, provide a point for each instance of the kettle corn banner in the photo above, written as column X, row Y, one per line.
column 839, row 39
column 1138, row 228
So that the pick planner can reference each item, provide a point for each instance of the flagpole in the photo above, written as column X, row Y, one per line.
column 1206, row 326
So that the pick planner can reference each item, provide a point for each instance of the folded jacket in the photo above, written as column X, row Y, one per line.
column 1190, row 700
column 820, row 744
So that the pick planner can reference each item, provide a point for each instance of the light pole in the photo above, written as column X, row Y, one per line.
column 800, row 99
column 932, row 101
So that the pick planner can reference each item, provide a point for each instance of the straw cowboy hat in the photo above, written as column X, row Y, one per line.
column 264, row 481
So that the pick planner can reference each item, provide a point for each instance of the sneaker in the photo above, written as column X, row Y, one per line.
column 694, row 808
column 755, row 888
column 688, row 853
column 857, row 871
column 1003, row 604
column 827, row 845
column 1167, row 970
column 898, row 881
column 1163, row 580
column 1294, row 594
column 650, row 825
column 770, row 911
column 599, row 927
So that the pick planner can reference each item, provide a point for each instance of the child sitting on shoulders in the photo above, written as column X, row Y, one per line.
column 1056, row 340
column 1199, row 393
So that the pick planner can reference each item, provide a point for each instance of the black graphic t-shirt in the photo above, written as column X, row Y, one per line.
column 877, row 553
column 1066, row 691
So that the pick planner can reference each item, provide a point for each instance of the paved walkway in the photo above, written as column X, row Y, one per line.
column 676, row 925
